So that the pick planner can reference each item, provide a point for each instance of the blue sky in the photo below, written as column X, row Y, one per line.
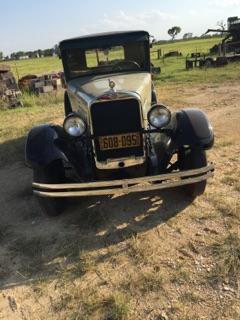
column 31, row 24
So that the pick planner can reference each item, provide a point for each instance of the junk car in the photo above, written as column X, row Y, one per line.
column 116, row 138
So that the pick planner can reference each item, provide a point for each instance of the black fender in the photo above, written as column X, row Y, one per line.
column 40, row 148
column 194, row 129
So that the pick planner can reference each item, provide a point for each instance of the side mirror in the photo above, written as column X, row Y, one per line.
column 155, row 71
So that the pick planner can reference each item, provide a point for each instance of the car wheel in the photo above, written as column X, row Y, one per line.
column 53, row 173
column 208, row 63
column 193, row 159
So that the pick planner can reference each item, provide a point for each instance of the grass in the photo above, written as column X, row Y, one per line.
column 227, row 261
column 181, row 275
column 39, row 66
column 16, row 123
column 92, row 306
column 139, row 250
column 144, row 283
column 173, row 69
column 172, row 270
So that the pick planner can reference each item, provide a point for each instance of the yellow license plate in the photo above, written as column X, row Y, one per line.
column 120, row 141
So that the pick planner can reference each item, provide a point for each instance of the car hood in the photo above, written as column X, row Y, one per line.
column 87, row 90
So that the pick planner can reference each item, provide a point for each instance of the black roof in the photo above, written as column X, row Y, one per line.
column 104, row 39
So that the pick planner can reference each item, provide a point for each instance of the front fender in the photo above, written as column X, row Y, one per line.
column 194, row 129
column 40, row 149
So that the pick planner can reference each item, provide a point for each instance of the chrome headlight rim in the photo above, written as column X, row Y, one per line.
column 159, row 106
column 82, row 125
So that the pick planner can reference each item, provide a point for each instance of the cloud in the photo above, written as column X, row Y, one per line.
column 225, row 3
column 138, row 20
column 153, row 21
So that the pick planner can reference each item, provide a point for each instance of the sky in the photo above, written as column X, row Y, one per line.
column 40, row 24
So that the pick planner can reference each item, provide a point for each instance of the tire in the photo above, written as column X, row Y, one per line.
column 193, row 159
column 53, row 173
column 208, row 63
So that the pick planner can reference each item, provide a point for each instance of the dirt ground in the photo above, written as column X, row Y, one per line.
column 141, row 256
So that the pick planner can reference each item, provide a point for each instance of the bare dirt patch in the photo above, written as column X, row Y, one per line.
column 142, row 256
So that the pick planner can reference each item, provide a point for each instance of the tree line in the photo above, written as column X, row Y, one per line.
column 31, row 54
column 172, row 32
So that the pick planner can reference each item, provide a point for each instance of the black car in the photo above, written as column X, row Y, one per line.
column 116, row 138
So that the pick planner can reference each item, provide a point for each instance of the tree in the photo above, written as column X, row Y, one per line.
column 48, row 52
column 56, row 50
column 1, row 55
column 174, row 31
column 187, row 35
column 222, row 25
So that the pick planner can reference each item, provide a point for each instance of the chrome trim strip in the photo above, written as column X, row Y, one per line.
column 124, row 186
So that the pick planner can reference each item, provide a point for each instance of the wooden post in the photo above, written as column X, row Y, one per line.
column 159, row 54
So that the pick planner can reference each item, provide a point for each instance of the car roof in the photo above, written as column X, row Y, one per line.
column 104, row 39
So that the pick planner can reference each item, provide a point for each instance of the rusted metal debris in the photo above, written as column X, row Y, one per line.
column 9, row 91
column 46, row 83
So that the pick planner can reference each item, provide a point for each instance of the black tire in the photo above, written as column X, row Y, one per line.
column 193, row 159
column 208, row 63
column 53, row 173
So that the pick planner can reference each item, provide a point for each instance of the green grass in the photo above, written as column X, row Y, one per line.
column 15, row 123
column 189, row 46
column 173, row 69
column 39, row 66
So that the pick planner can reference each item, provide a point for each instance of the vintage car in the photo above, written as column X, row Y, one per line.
column 116, row 138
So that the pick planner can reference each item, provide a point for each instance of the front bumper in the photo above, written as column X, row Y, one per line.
column 124, row 186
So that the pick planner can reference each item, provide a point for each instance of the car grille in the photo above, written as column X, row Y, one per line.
column 116, row 117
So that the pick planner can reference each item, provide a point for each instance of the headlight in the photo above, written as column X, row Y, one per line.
column 74, row 125
column 159, row 116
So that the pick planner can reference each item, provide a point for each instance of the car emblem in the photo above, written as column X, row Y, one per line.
column 112, row 84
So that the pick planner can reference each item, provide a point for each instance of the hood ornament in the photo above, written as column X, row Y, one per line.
column 112, row 84
column 110, row 94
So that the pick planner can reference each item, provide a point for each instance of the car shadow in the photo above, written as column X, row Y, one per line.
column 33, row 246
column 12, row 151
column 50, row 246
column 112, row 220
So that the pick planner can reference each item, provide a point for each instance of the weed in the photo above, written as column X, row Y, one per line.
column 181, row 276
column 61, row 303
column 91, row 306
column 225, row 205
column 226, row 255
column 144, row 283
column 139, row 250
column 190, row 297
column 116, row 307
column 32, row 250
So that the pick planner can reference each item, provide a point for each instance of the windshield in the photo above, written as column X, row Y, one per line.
column 130, row 57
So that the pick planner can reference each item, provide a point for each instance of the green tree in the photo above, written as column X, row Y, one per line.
column 1, row 55
column 174, row 31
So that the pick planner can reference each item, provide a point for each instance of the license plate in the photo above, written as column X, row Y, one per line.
column 120, row 141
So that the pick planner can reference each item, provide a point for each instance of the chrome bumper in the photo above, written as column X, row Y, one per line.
column 124, row 186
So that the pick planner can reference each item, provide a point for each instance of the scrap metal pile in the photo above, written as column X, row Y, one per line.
column 9, row 91
column 227, row 51
column 46, row 83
